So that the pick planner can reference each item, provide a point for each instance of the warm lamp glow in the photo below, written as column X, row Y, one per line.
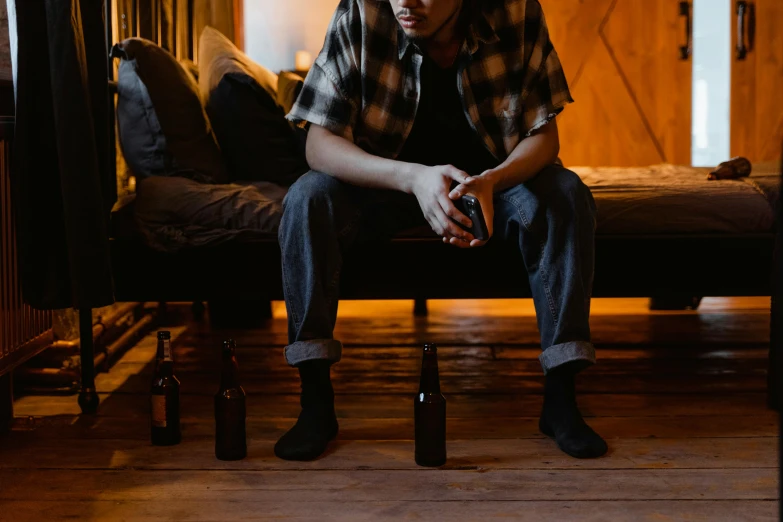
column 275, row 30
column 303, row 60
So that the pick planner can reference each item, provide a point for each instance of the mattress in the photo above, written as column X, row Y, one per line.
column 672, row 199
column 656, row 200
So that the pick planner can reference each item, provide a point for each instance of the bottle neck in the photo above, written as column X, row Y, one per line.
column 164, row 360
column 430, row 380
column 229, row 377
column 164, row 349
column 165, row 368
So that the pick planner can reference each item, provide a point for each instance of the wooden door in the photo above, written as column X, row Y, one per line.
column 630, row 84
column 757, row 81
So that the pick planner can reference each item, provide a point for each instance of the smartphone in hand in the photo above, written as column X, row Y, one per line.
column 471, row 207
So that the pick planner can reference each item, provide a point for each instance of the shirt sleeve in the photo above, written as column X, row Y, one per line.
column 330, row 95
column 545, row 91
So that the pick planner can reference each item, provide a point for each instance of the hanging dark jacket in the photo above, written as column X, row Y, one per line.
column 60, row 169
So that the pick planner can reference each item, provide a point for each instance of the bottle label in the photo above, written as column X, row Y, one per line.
column 166, row 349
column 159, row 411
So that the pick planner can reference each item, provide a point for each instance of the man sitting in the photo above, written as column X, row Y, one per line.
column 410, row 105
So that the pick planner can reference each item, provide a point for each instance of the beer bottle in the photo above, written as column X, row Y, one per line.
column 430, row 413
column 230, row 410
column 165, row 429
column 738, row 167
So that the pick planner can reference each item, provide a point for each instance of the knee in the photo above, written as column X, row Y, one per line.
column 566, row 191
column 313, row 191
column 308, row 203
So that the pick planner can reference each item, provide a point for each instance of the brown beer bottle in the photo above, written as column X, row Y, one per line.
column 230, row 409
column 165, row 428
column 738, row 167
column 429, row 409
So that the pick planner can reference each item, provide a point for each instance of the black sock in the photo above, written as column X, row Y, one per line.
column 561, row 419
column 317, row 423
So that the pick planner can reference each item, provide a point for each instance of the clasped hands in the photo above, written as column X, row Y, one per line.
column 432, row 189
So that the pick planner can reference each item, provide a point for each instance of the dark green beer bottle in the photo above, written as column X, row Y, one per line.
column 230, row 409
column 429, row 408
column 164, row 396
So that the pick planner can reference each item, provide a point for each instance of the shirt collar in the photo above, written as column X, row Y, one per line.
column 479, row 31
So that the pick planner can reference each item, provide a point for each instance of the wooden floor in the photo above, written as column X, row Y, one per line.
column 678, row 396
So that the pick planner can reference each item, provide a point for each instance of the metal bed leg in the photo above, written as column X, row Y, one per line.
column 88, row 397
column 420, row 308
column 773, row 372
column 6, row 402
column 265, row 309
column 774, row 389
column 198, row 310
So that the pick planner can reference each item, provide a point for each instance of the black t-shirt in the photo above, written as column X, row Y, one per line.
column 442, row 134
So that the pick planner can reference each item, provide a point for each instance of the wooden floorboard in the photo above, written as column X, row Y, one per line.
column 460, row 405
column 386, row 485
column 265, row 427
column 707, row 453
column 679, row 397
column 350, row 511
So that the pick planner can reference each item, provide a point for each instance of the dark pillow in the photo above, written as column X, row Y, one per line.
column 240, row 96
column 163, row 127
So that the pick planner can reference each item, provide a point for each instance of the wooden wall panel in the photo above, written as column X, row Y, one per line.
column 645, row 42
column 769, row 83
column 239, row 24
column 631, row 87
column 757, row 85
column 743, row 100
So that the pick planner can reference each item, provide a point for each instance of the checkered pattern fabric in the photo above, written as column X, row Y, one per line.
column 365, row 83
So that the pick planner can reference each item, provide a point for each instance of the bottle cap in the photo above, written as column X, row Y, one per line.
column 164, row 334
column 430, row 348
column 229, row 345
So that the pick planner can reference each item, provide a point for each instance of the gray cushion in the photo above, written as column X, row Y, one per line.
column 175, row 213
column 163, row 127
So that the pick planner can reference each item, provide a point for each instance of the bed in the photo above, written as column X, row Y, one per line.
column 672, row 199
column 662, row 230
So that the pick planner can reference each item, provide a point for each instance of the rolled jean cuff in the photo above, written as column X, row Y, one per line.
column 563, row 353
column 301, row 351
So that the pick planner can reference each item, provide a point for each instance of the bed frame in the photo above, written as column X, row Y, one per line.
column 424, row 268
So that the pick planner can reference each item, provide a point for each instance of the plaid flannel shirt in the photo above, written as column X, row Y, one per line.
column 365, row 83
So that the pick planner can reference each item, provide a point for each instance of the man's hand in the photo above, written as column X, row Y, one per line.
column 431, row 188
column 483, row 189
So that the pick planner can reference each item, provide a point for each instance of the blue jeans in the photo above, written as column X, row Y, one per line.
column 551, row 217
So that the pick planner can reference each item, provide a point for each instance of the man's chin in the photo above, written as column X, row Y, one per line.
column 415, row 34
